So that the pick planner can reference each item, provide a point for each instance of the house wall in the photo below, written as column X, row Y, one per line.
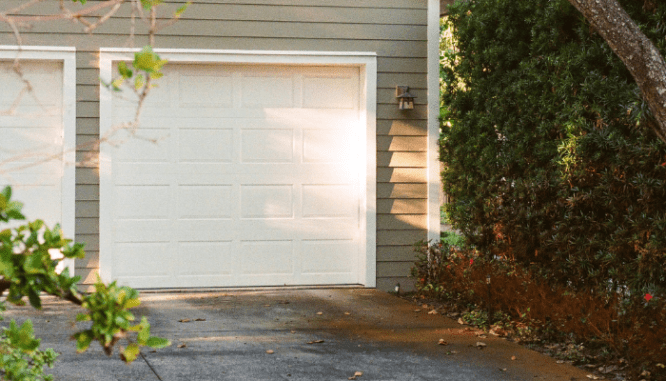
column 395, row 29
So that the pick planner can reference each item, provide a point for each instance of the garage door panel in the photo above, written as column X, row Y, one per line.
column 256, row 183
column 266, row 201
column 202, row 145
column 327, row 92
column 143, row 202
column 40, row 201
column 21, row 139
column 143, row 259
column 267, row 146
column 143, row 230
column 205, row 258
column 297, row 229
column 205, row 201
column 328, row 256
column 327, row 146
column 149, row 145
column 138, row 174
column 267, row 91
column 329, row 200
column 212, row 89
column 267, row 257
column 43, row 77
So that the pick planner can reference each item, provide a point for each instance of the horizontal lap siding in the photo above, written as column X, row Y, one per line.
column 394, row 29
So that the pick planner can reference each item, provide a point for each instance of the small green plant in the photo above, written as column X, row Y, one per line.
column 20, row 357
column 453, row 239
column 476, row 317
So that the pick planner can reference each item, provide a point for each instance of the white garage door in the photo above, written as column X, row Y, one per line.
column 31, row 137
column 241, row 175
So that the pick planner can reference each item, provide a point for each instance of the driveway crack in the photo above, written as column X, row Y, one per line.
column 150, row 366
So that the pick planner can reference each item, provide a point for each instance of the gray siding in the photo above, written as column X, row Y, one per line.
column 394, row 29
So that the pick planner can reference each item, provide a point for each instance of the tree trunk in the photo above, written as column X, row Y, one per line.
column 638, row 53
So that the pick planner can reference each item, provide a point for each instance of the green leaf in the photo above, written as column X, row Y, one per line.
column 148, row 61
column 130, row 353
column 83, row 317
column 83, row 340
column 15, row 214
column 117, row 83
column 139, row 82
column 182, row 9
column 157, row 342
column 7, row 193
column 144, row 333
column 35, row 300
column 147, row 4
column 124, row 71
column 131, row 303
column 22, row 337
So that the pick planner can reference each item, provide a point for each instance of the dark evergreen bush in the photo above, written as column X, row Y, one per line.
column 548, row 160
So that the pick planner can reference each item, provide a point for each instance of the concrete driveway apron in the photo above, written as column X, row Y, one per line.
column 292, row 334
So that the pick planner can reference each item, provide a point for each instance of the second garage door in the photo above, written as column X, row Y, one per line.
column 241, row 175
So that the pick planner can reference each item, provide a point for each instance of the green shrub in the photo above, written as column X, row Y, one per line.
column 546, row 162
column 552, row 176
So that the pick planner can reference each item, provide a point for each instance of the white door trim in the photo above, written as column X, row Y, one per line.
column 367, row 63
column 67, row 55
column 434, row 176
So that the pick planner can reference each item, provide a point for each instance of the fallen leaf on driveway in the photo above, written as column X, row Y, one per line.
column 593, row 377
column 347, row 313
column 182, row 345
column 432, row 312
column 461, row 321
column 425, row 306
column 320, row 313
column 442, row 342
column 502, row 369
column 316, row 342
column 270, row 351
column 184, row 320
column 199, row 319
column 451, row 352
column 560, row 361
column 480, row 344
column 417, row 310
column 283, row 302
column 513, row 358
column 267, row 305
column 357, row 374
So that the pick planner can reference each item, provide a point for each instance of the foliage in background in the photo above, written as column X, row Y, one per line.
column 544, row 164
column 28, row 269
column 547, row 171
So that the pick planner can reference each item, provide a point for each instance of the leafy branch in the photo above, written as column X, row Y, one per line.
column 27, row 269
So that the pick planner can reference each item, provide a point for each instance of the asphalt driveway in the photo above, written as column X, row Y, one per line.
column 293, row 334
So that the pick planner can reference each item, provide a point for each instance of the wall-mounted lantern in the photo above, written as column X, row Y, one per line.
column 405, row 98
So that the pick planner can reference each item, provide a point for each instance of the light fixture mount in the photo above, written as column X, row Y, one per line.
column 405, row 98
